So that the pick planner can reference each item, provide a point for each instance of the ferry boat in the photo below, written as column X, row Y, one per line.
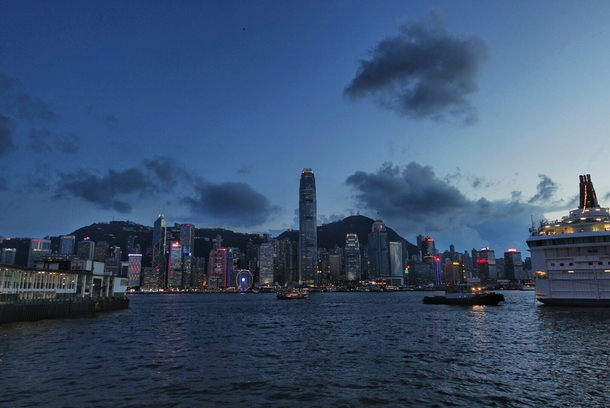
column 465, row 295
column 571, row 257
column 292, row 294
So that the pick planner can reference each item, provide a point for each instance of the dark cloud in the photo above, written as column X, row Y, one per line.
column 6, row 137
column 67, row 143
column 424, row 71
column 245, row 169
column 235, row 204
column 39, row 141
column 108, row 191
column 414, row 199
column 110, row 119
column 167, row 170
column 546, row 189
column 34, row 109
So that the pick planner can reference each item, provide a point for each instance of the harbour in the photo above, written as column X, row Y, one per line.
column 334, row 349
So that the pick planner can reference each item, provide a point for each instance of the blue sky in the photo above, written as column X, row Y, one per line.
column 461, row 120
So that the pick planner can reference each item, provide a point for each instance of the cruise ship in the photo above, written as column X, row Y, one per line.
column 571, row 256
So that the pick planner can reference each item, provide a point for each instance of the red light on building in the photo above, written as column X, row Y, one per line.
column 511, row 250
column 482, row 261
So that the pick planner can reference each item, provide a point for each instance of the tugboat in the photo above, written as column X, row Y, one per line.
column 294, row 293
column 464, row 297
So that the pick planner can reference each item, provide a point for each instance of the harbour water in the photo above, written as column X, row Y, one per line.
column 331, row 350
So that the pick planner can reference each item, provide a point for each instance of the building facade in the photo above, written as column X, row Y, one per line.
column 308, row 229
column 378, row 250
column 353, row 259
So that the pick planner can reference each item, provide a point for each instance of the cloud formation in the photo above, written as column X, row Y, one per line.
column 415, row 200
column 108, row 191
column 21, row 104
column 235, row 204
column 43, row 141
column 6, row 137
column 424, row 72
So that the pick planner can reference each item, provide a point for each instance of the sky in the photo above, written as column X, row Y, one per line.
column 464, row 121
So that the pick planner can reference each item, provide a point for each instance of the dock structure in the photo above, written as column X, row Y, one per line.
column 83, row 285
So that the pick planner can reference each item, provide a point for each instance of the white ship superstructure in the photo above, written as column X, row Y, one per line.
column 571, row 256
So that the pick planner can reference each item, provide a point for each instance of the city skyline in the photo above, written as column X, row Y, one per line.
column 447, row 119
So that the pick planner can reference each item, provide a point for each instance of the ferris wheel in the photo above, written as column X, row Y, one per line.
column 243, row 279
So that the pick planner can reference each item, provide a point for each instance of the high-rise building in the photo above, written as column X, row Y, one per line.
column 308, row 229
column 101, row 251
column 8, row 256
column 265, row 264
column 187, row 241
column 513, row 265
column 134, row 269
column 174, row 272
column 396, row 263
column 39, row 248
column 66, row 244
column 220, row 267
column 486, row 265
column 353, row 260
column 159, row 261
column 378, row 250
column 85, row 249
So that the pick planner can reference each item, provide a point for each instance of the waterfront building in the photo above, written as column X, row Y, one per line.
column 335, row 265
column 266, row 264
column 220, row 267
column 353, row 260
column 187, row 241
column 308, row 229
column 174, row 272
column 396, row 264
column 66, row 244
column 378, row 250
column 85, row 249
column 513, row 266
column 150, row 279
column 159, row 261
column 486, row 265
column 287, row 261
column 39, row 248
column 8, row 256
column 134, row 269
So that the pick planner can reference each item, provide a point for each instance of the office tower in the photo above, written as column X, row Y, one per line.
column 8, row 256
column 187, row 241
column 514, row 265
column 39, row 248
column 308, row 233
column 134, row 269
column 219, row 266
column 66, row 244
column 174, row 272
column 159, row 262
column 378, row 250
column 486, row 265
column 101, row 251
column 353, row 261
column 335, row 264
column 396, row 264
column 265, row 264
column 85, row 249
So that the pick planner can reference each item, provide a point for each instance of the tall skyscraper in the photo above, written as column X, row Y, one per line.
column 159, row 261
column 308, row 232
column 39, row 248
column 378, row 250
column 353, row 262
column 513, row 265
column 265, row 264
column 135, row 269
column 486, row 265
column 174, row 273
column 85, row 249
column 187, row 241
column 396, row 265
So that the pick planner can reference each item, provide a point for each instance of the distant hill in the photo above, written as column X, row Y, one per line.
column 334, row 233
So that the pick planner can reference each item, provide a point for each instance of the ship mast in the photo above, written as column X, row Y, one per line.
column 588, row 198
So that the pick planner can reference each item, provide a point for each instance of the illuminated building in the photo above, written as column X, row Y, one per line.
column 513, row 265
column 85, row 249
column 220, row 267
column 8, row 256
column 486, row 265
column 353, row 259
column 39, row 248
column 308, row 229
column 265, row 264
column 159, row 261
column 174, row 271
column 396, row 264
column 378, row 250
column 134, row 269
column 187, row 241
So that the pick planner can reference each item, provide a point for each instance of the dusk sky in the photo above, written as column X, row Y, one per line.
column 461, row 120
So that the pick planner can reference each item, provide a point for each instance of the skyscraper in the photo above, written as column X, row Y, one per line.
column 187, row 241
column 66, row 244
column 85, row 249
column 378, row 250
column 353, row 263
column 265, row 264
column 308, row 233
column 159, row 261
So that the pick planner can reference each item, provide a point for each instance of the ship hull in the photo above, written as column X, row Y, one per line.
column 576, row 302
column 490, row 299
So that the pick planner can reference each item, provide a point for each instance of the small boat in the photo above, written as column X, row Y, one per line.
column 465, row 297
column 289, row 294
